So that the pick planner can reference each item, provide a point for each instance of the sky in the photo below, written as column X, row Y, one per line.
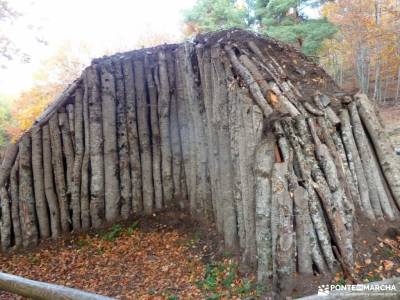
column 104, row 25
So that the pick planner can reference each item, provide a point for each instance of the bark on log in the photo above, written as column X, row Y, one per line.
column 143, row 121
column 164, row 102
column 382, row 147
column 178, row 173
column 97, row 197
column 251, row 83
column 7, row 162
column 14, row 193
column 263, row 194
column 59, row 175
column 133, row 136
column 79, row 138
column 85, row 183
column 155, row 133
column 51, row 196
column 355, row 164
column 38, row 181
column 26, row 196
column 366, row 158
column 108, row 107
column 5, row 230
column 123, row 147
column 68, row 149
column 43, row 291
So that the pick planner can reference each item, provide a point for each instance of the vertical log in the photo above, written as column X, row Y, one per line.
column 206, row 69
column 68, row 149
column 164, row 102
column 14, row 192
column 264, row 161
column 97, row 205
column 77, row 166
column 143, row 121
column 155, row 133
column 5, row 231
column 178, row 173
column 285, row 241
column 51, row 197
column 38, row 181
column 85, row 184
column 111, row 180
column 59, row 175
column 133, row 136
column 123, row 147
column 71, row 121
column 26, row 194
column 220, row 102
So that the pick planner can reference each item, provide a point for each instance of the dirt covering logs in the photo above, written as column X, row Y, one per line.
column 236, row 129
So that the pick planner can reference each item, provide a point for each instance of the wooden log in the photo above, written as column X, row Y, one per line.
column 38, row 182
column 59, row 175
column 123, row 145
column 206, row 69
column 220, row 101
column 97, row 196
column 143, row 121
column 263, row 194
column 366, row 158
column 85, row 184
column 164, row 103
column 5, row 229
column 79, row 138
column 355, row 164
column 283, row 104
column 108, row 108
column 71, row 118
column 285, row 243
column 133, row 136
column 251, row 83
column 155, row 133
column 26, row 194
column 7, row 162
column 178, row 172
column 68, row 149
column 51, row 196
column 43, row 291
column 201, row 199
column 316, row 213
column 384, row 151
column 14, row 193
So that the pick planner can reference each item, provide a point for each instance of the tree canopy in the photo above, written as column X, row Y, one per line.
column 285, row 20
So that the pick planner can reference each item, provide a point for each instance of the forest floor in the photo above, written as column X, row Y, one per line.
column 169, row 257
column 162, row 257
column 391, row 118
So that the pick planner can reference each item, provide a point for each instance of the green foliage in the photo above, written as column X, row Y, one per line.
column 132, row 228
column 173, row 297
column 211, row 15
column 115, row 232
column 284, row 20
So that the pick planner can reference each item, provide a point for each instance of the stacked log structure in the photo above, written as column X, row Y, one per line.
column 238, row 130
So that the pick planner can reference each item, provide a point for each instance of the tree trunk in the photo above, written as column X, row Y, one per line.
column 133, row 137
column 123, row 147
column 59, row 175
column 38, row 181
column 51, row 197
column 97, row 196
column 143, row 120
column 26, row 195
column 14, row 192
column 111, row 181
column 77, row 166
column 164, row 102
